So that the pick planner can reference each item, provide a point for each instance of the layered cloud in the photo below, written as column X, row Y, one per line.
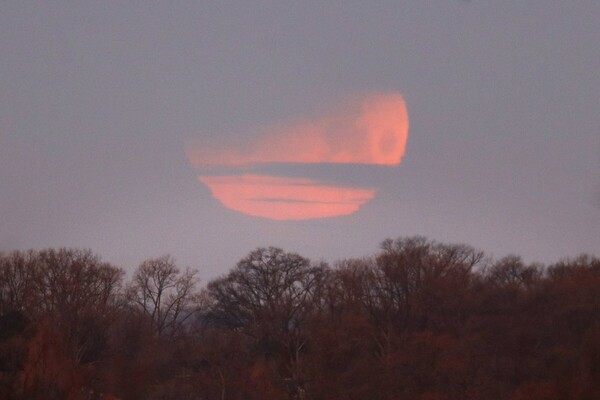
column 285, row 198
column 371, row 130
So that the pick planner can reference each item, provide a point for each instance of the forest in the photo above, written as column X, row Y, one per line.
column 417, row 319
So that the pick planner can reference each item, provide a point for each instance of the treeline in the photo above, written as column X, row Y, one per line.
column 417, row 320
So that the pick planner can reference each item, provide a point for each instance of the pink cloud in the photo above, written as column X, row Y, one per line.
column 372, row 130
column 369, row 130
column 285, row 198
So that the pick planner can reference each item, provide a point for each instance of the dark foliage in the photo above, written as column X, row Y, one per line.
column 417, row 320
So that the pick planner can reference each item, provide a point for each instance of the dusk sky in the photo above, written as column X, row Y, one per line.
column 206, row 129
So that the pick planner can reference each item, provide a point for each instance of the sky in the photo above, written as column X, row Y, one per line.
column 206, row 129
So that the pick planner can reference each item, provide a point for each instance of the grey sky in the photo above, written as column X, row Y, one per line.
column 98, row 101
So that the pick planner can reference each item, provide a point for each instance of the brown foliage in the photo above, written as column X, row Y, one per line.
column 418, row 320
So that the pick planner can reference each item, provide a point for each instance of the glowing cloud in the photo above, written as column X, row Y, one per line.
column 372, row 130
column 369, row 130
column 285, row 198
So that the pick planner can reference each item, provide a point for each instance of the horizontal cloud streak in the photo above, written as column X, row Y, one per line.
column 372, row 130
column 281, row 198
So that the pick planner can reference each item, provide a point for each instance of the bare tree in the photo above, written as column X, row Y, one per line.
column 164, row 294
column 17, row 275
column 70, row 289
column 268, row 296
column 79, row 293
column 267, row 288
